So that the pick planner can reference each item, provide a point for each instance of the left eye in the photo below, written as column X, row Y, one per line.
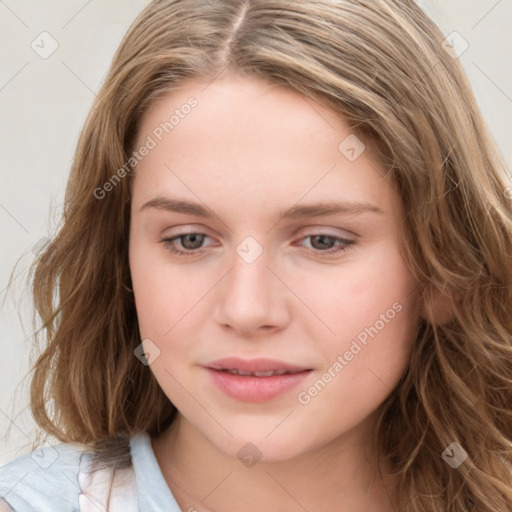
column 191, row 242
column 323, row 240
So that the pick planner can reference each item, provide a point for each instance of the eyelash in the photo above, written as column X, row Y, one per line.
column 346, row 245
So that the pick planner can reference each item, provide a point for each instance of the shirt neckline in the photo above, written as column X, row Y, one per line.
column 152, row 489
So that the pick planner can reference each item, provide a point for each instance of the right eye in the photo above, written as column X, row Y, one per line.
column 190, row 242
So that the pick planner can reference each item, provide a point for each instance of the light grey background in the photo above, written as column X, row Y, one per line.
column 44, row 103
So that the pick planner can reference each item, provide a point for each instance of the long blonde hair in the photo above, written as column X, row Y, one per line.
column 380, row 64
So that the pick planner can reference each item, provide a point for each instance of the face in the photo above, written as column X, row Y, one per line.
column 260, row 231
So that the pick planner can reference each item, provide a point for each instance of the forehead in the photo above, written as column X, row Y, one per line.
column 256, row 140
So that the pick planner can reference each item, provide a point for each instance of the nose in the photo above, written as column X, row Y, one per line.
column 250, row 299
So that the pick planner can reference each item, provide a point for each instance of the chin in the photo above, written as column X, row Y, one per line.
column 256, row 442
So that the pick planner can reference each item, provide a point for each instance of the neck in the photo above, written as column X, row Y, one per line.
column 337, row 476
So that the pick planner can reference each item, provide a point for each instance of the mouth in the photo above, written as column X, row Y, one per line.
column 270, row 373
column 256, row 380
column 259, row 367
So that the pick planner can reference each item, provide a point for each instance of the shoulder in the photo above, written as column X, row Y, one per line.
column 43, row 480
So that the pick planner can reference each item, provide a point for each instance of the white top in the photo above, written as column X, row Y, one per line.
column 56, row 479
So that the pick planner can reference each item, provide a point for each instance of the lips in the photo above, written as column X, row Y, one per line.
column 270, row 373
column 255, row 380
column 259, row 367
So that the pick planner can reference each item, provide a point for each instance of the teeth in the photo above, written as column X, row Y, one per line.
column 265, row 374
column 256, row 374
column 240, row 372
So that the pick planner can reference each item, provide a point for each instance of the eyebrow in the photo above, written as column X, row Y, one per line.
column 295, row 212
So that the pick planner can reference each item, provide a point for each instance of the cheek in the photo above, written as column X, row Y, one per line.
column 164, row 292
column 353, row 295
column 375, row 316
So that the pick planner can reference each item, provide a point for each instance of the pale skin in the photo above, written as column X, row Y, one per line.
column 248, row 153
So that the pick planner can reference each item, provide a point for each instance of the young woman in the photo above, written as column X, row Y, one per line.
column 284, row 275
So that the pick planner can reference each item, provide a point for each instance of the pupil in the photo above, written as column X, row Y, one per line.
column 196, row 239
column 322, row 243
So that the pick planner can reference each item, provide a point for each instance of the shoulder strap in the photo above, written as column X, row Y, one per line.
column 95, row 485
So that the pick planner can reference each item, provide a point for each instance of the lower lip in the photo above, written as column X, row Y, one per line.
column 255, row 389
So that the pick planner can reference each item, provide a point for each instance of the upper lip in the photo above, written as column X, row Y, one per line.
column 254, row 365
